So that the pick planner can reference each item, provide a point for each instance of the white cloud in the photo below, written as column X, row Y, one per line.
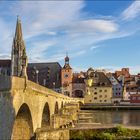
column 5, row 39
column 91, row 26
column 60, row 24
column 94, row 47
column 38, row 49
column 55, row 57
column 43, row 15
column 132, row 11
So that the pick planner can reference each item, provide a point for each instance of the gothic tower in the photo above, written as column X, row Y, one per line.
column 66, row 78
column 18, row 55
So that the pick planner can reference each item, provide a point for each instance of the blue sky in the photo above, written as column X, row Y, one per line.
column 98, row 34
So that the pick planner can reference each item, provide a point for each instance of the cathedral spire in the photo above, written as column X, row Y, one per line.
column 18, row 33
column 19, row 58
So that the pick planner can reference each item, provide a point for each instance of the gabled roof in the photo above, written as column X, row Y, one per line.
column 101, row 79
column 52, row 65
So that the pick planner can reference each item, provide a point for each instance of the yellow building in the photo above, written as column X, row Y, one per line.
column 98, row 88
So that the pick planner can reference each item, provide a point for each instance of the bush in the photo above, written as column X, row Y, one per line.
column 107, row 136
column 121, row 130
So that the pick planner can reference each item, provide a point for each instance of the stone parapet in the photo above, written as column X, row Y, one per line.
column 57, row 134
column 66, row 117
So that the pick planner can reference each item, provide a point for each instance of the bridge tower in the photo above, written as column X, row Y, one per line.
column 18, row 55
column 66, row 78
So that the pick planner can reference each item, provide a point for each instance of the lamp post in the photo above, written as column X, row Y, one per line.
column 37, row 71
column 54, row 86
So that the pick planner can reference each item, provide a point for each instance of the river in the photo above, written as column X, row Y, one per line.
column 129, row 117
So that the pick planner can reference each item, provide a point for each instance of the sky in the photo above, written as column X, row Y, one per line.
column 95, row 33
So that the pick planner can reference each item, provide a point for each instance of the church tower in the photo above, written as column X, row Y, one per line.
column 66, row 78
column 18, row 55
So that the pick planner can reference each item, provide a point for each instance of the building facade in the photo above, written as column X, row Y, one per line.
column 66, row 78
column 117, row 88
column 46, row 74
column 78, row 85
column 98, row 88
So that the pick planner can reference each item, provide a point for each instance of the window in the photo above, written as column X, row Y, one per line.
column 103, row 84
column 95, row 98
column 100, row 96
column 105, row 96
column 65, row 75
column 100, row 100
column 105, row 90
column 95, row 93
column 95, row 88
column 104, row 100
column 100, row 91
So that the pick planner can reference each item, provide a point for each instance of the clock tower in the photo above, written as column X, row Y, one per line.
column 66, row 78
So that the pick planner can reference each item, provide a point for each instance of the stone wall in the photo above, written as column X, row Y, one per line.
column 7, row 114
column 58, row 134
column 16, row 92
column 66, row 117
column 5, row 83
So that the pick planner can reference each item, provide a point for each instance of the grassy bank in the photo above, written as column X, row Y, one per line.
column 118, row 132
column 93, row 107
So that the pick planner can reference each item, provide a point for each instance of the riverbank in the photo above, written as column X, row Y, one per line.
column 109, row 107
column 117, row 132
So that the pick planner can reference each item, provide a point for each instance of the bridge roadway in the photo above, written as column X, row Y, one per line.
column 26, row 106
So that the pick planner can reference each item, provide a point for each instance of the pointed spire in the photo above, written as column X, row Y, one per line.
column 18, row 33
column 19, row 58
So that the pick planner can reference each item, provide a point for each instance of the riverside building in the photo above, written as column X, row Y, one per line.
column 98, row 88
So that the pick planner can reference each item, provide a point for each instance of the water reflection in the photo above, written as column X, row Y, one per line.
column 131, row 118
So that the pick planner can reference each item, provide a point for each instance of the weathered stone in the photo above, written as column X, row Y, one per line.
column 19, row 92
column 58, row 134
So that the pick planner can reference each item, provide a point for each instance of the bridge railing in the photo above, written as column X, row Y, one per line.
column 50, row 92
column 22, row 83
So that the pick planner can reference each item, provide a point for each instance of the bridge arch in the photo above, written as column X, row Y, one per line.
column 78, row 93
column 23, row 125
column 45, row 116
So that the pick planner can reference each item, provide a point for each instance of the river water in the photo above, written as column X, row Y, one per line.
column 129, row 117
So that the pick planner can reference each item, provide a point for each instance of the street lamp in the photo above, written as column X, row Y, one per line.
column 37, row 71
column 54, row 85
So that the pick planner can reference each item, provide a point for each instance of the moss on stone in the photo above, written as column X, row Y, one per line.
column 118, row 132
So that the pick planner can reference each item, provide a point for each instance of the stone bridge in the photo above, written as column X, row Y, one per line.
column 26, row 106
